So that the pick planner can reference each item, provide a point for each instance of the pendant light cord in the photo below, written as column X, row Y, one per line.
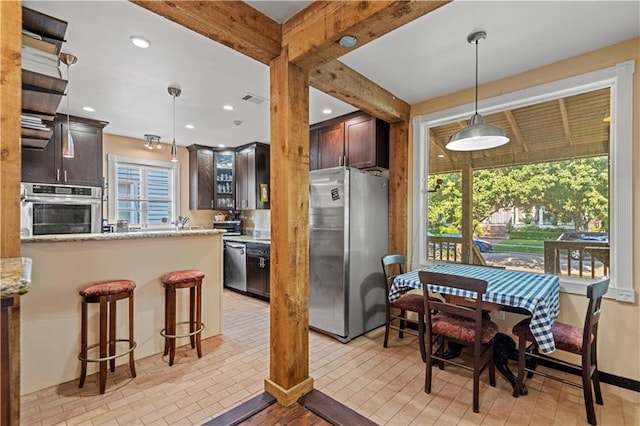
column 174, row 119
column 476, row 76
column 68, row 107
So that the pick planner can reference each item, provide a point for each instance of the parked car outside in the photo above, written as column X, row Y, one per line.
column 583, row 236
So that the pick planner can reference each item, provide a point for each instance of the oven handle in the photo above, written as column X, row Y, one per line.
column 89, row 201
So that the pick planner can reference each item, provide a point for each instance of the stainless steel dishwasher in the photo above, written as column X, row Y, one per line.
column 235, row 265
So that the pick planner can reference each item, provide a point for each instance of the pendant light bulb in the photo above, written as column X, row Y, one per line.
column 175, row 92
column 68, row 147
column 477, row 135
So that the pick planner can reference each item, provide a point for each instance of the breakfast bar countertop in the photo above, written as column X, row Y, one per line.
column 246, row 239
column 15, row 276
column 119, row 235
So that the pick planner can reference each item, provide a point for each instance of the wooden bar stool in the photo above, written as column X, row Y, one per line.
column 106, row 293
column 191, row 279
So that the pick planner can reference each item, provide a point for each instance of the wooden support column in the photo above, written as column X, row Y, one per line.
column 398, row 186
column 467, row 212
column 289, row 355
column 10, row 106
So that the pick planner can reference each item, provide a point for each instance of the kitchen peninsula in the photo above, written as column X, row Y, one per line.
column 62, row 264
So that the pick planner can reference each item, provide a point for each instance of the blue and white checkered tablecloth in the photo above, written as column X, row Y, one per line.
column 537, row 293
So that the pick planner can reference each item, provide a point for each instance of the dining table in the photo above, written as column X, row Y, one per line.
column 531, row 292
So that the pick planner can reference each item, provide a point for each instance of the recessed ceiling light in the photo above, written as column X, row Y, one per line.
column 228, row 107
column 140, row 42
column 348, row 41
column 88, row 108
column 326, row 111
column 221, row 145
column 190, row 126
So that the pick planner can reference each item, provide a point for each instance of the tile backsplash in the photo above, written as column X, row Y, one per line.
column 256, row 223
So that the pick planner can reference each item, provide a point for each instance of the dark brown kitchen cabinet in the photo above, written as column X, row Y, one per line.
column 258, row 266
column 331, row 146
column 49, row 166
column 200, row 177
column 211, row 178
column 252, row 176
column 356, row 140
column 224, row 163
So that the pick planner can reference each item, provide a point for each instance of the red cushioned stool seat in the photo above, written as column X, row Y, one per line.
column 191, row 279
column 106, row 293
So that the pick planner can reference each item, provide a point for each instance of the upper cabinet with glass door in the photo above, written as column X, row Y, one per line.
column 224, row 175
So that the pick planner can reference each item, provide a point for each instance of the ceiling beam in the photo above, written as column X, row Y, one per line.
column 440, row 144
column 234, row 24
column 313, row 34
column 342, row 82
column 565, row 121
column 516, row 130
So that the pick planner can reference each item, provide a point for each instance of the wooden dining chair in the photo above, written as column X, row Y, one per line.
column 392, row 265
column 464, row 325
column 567, row 338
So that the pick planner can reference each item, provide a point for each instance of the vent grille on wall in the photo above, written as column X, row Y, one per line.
column 258, row 100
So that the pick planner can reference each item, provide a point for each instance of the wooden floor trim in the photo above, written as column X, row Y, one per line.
column 243, row 411
column 333, row 411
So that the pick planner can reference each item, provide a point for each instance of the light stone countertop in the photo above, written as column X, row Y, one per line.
column 120, row 236
column 15, row 276
column 246, row 239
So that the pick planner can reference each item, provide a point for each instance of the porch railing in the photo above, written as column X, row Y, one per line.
column 580, row 257
column 450, row 249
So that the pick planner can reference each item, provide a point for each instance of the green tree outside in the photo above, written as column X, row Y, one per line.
column 571, row 191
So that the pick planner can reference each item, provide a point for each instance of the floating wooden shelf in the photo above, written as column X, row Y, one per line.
column 41, row 93
column 40, row 100
column 44, row 82
column 34, row 143
column 51, row 30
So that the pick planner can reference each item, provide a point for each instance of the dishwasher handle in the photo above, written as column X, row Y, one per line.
column 235, row 246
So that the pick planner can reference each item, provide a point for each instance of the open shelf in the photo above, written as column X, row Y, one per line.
column 42, row 37
column 47, row 30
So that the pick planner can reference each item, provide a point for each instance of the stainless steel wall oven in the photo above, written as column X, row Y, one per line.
column 59, row 209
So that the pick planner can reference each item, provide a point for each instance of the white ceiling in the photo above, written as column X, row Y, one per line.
column 426, row 58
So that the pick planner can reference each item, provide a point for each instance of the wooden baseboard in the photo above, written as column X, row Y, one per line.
column 243, row 411
column 333, row 411
column 288, row 397
column 611, row 379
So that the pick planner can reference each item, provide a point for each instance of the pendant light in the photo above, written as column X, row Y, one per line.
column 477, row 135
column 175, row 92
column 68, row 147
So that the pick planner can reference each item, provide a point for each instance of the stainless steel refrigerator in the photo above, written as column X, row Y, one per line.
column 348, row 234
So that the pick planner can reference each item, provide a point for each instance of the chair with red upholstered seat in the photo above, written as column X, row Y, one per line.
column 571, row 339
column 191, row 279
column 461, row 324
column 106, row 293
column 392, row 265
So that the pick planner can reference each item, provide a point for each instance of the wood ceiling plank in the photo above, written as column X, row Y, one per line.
column 532, row 157
column 232, row 23
column 312, row 35
column 342, row 82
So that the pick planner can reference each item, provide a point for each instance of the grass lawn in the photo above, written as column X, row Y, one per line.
column 520, row 246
